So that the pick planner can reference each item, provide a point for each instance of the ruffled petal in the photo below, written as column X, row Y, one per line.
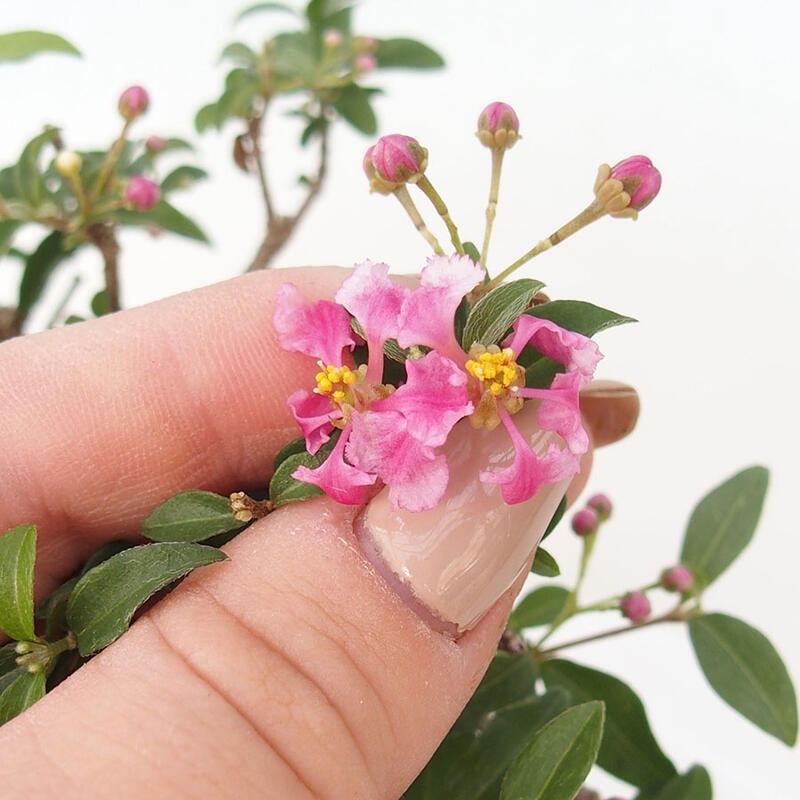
column 428, row 313
column 559, row 410
column 416, row 476
column 313, row 413
column 433, row 398
column 320, row 329
column 338, row 479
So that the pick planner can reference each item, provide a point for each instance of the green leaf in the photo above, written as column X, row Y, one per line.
column 20, row 693
column 182, row 177
column 629, row 749
column 17, row 555
column 324, row 14
column 556, row 518
column 39, row 266
column 352, row 103
column 693, row 785
column 283, row 488
column 20, row 45
column 209, row 116
column 544, row 564
column 240, row 53
column 260, row 7
column 723, row 523
column 559, row 757
column 493, row 315
column 8, row 227
column 745, row 670
column 28, row 177
column 190, row 517
column 163, row 216
column 294, row 56
column 104, row 600
column 100, row 305
column 406, row 54
column 294, row 447
column 540, row 607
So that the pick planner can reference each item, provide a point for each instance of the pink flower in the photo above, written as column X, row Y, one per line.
column 394, row 160
column 142, row 193
column 640, row 179
column 498, row 126
column 635, row 606
column 133, row 102
column 677, row 579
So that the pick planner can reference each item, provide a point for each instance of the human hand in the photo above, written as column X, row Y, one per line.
column 291, row 670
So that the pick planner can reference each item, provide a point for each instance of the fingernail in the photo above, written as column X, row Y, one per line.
column 610, row 410
column 453, row 562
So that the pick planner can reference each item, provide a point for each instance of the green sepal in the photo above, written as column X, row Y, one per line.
column 17, row 556
column 406, row 54
column 629, row 749
column 544, row 564
column 493, row 315
column 283, row 488
column 723, row 523
column 747, row 672
column 20, row 45
column 540, row 607
column 191, row 516
column 558, row 758
column 103, row 602
column 19, row 690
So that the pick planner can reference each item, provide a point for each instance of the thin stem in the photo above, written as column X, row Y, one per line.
column 59, row 309
column 255, row 127
column 101, row 234
column 108, row 164
column 441, row 209
column 491, row 206
column 402, row 194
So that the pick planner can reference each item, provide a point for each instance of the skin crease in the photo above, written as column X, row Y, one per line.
column 289, row 671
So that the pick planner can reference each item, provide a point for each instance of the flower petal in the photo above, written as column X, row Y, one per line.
column 429, row 311
column 313, row 413
column 320, row 329
column 338, row 479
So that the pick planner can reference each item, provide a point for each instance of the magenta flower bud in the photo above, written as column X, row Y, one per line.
column 133, row 102
column 640, row 179
column 332, row 38
column 677, row 579
column 394, row 160
column 585, row 522
column 364, row 62
column 498, row 126
column 635, row 606
column 602, row 505
column 155, row 144
column 142, row 193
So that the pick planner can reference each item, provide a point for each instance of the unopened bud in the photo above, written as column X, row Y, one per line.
column 677, row 579
column 394, row 160
column 68, row 163
column 155, row 144
column 332, row 38
column 635, row 606
column 133, row 102
column 142, row 193
column 626, row 188
column 498, row 126
column 601, row 504
column 585, row 522
column 364, row 62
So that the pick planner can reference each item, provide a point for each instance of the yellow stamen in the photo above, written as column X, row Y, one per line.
column 500, row 377
column 334, row 382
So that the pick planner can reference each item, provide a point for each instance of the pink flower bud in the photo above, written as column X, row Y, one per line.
column 635, row 606
column 585, row 522
column 394, row 160
column 155, row 144
column 602, row 505
column 677, row 579
column 640, row 179
column 498, row 126
column 142, row 193
column 133, row 102
column 332, row 38
column 364, row 62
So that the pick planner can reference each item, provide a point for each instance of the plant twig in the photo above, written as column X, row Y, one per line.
column 101, row 234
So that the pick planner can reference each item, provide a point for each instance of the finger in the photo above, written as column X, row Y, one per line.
column 102, row 421
column 294, row 670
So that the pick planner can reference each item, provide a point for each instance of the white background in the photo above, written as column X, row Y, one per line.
column 707, row 89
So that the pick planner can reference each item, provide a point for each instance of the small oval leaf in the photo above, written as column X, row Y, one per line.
column 723, row 523
column 353, row 104
column 190, row 517
column 283, row 488
column 406, row 54
column 104, row 600
column 20, row 693
column 164, row 216
column 558, row 758
column 745, row 670
column 540, row 607
column 19, row 45
column 17, row 554
column 492, row 316
column 544, row 564
column 693, row 785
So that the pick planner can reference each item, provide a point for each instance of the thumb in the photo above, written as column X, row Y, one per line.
column 322, row 660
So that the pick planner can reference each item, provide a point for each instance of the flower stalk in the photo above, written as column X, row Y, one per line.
column 441, row 209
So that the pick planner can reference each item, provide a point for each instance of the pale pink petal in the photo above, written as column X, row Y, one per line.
column 415, row 475
column 432, row 400
column 320, row 329
column 528, row 471
column 313, row 413
column 338, row 479
column 428, row 314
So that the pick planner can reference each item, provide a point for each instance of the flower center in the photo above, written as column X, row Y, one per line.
column 336, row 382
column 500, row 377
